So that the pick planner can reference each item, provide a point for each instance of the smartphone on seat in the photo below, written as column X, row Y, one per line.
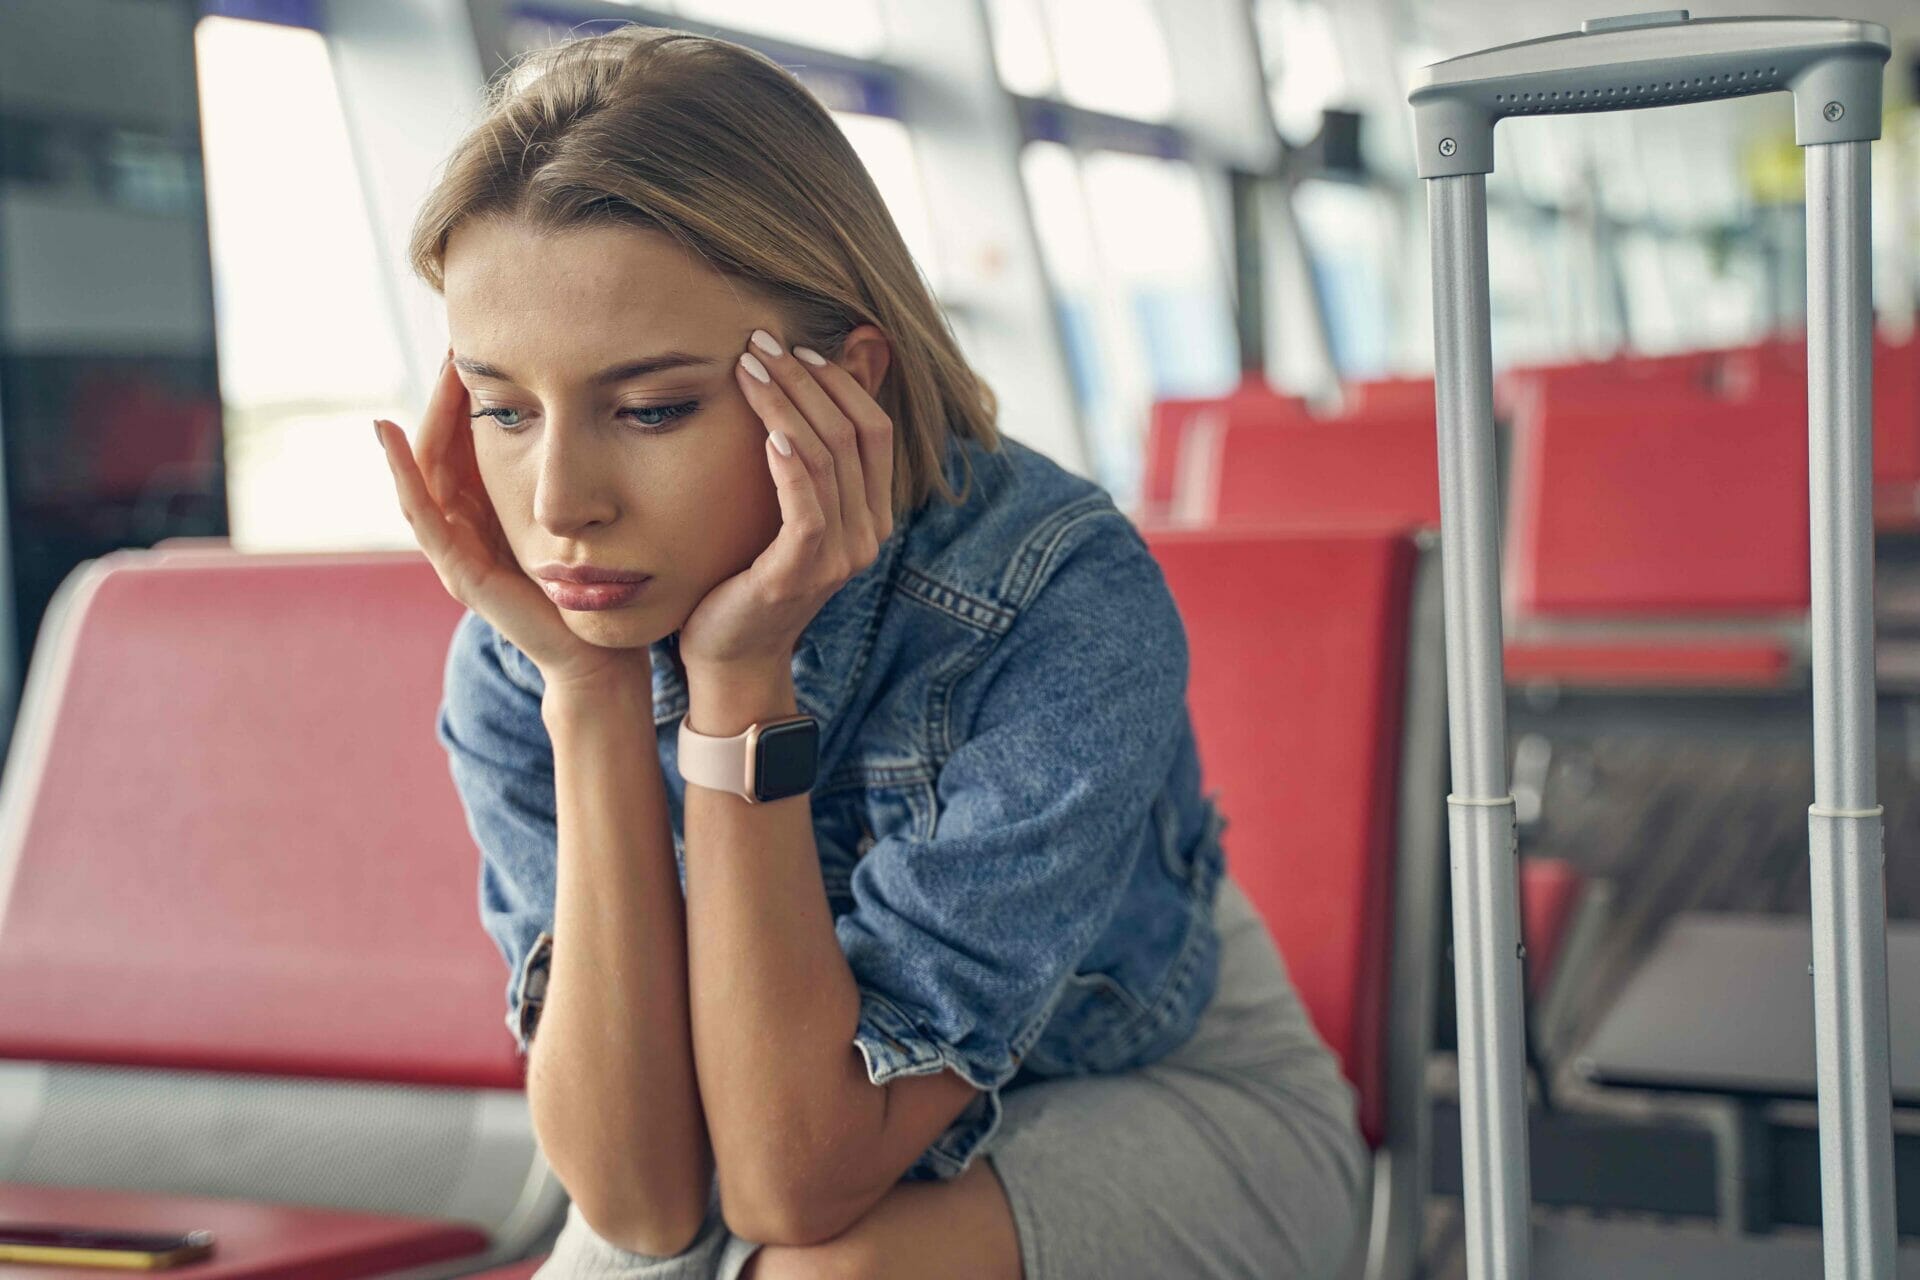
column 101, row 1246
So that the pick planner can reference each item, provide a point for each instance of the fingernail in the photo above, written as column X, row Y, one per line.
column 766, row 342
column 382, row 440
column 809, row 355
column 783, row 444
column 753, row 366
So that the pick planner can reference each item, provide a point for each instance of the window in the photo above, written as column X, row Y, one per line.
column 1141, row 295
column 887, row 151
column 1102, row 55
column 1302, row 62
column 308, row 350
column 1349, row 235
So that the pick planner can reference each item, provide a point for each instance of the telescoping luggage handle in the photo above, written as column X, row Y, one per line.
column 1833, row 68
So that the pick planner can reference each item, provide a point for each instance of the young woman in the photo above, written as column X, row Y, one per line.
column 828, row 755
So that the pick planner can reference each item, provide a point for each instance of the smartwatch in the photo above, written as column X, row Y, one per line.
column 770, row 760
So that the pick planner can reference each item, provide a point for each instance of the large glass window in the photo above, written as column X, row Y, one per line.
column 886, row 148
column 1349, row 233
column 1103, row 55
column 1302, row 62
column 1140, row 291
column 308, row 349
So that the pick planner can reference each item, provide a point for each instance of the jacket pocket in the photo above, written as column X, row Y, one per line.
column 851, row 818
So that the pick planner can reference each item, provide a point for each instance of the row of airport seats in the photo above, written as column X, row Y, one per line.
column 243, row 983
column 1657, row 535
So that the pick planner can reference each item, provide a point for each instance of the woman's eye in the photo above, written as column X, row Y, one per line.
column 658, row 415
column 650, row 416
column 494, row 412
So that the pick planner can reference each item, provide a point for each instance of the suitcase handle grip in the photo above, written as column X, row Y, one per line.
column 1832, row 66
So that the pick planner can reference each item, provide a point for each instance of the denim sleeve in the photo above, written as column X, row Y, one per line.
column 502, row 765
column 962, row 942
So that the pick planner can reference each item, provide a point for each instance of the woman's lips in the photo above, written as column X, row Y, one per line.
column 584, row 596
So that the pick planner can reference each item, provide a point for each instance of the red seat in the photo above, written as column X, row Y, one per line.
column 1252, row 401
column 1775, row 371
column 1307, row 724
column 1368, row 467
column 1660, row 509
column 1657, row 542
column 1550, row 890
column 1757, row 664
column 1518, row 391
column 237, row 864
column 1411, row 396
column 1298, row 661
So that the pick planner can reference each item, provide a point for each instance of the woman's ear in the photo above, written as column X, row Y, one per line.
column 866, row 354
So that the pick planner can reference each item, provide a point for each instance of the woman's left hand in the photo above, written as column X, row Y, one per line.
column 836, row 508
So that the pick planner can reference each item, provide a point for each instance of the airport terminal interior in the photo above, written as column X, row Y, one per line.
column 1654, row 359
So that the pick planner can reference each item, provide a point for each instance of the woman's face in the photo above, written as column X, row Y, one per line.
column 658, row 470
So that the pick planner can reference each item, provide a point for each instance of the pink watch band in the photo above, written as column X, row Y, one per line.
column 716, row 763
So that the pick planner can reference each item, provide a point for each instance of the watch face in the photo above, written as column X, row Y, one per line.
column 785, row 759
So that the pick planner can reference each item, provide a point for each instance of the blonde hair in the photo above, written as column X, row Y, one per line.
column 723, row 149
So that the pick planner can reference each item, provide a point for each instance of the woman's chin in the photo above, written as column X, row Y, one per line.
column 628, row 628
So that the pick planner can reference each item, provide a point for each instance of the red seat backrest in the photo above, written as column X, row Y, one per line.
column 1412, row 396
column 233, row 840
column 1252, row 401
column 1656, row 506
column 1367, row 467
column 1678, row 375
column 1298, row 647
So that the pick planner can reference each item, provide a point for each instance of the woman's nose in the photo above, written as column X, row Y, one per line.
column 574, row 484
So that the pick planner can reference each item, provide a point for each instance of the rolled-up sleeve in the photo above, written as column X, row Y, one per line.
column 502, row 765
column 962, row 942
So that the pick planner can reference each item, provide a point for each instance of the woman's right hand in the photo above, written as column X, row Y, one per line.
column 453, row 520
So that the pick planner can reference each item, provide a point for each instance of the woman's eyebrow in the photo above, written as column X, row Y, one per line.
column 612, row 373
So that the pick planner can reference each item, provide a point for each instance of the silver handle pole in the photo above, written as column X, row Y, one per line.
column 1486, row 899
column 1848, row 862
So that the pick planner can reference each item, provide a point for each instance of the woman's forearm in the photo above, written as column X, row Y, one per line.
column 610, row 1080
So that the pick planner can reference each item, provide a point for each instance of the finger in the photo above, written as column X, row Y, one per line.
column 424, row 516
column 873, row 427
column 804, row 524
column 443, row 447
column 778, row 413
column 833, row 428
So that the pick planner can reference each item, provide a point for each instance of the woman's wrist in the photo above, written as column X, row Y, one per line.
column 627, row 695
column 721, row 704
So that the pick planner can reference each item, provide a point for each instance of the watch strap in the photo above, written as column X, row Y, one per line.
column 716, row 763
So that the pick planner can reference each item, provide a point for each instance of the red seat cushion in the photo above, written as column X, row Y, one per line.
column 260, row 1241
column 1298, row 658
column 1624, row 664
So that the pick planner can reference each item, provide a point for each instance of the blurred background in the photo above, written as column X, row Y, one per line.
column 1160, row 229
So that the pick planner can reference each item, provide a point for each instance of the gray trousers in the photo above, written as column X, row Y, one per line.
column 1237, row 1155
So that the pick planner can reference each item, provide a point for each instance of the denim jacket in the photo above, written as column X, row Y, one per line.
column 1013, row 839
